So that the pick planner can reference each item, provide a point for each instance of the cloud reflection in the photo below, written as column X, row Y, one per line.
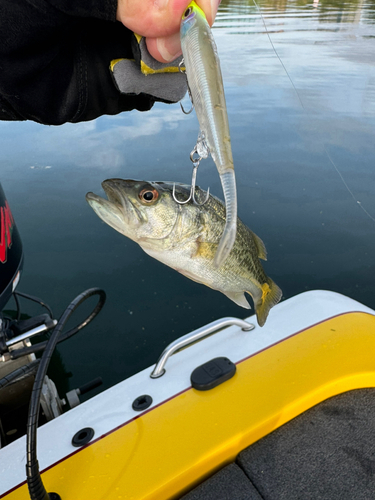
column 105, row 143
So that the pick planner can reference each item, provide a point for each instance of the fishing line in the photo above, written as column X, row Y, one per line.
column 347, row 187
column 300, row 100
column 282, row 64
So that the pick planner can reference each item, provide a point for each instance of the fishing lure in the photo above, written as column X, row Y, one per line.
column 207, row 93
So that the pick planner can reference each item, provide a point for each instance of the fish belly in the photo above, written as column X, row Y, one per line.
column 201, row 270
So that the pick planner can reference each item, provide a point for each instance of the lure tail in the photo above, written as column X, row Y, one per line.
column 228, row 182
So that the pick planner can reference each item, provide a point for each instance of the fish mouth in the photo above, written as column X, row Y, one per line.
column 113, row 192
column 118, row 210
column 108, row 211
column 95, row 200
column 120, row 192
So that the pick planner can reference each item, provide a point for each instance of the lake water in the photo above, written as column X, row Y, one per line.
column 301, row 107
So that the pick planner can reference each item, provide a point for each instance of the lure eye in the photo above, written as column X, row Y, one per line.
column 148, row 195
column 187, row 12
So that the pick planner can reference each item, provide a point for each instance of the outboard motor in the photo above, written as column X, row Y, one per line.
column 17, row 375
column 11, row 252
column 18, row 363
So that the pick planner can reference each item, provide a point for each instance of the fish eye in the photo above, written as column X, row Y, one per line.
column 148, row 195
column 187, row 12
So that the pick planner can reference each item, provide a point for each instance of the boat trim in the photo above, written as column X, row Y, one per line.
column 124, row 424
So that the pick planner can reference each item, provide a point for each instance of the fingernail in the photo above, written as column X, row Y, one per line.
column 214, row 8
column 167, row 47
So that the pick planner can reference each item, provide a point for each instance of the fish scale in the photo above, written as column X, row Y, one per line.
column 186, row 237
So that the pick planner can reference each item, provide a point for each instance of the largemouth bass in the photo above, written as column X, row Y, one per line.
column 186, row 237
column 207, row 91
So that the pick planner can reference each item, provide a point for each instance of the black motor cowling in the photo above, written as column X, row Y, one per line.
column 11, row 253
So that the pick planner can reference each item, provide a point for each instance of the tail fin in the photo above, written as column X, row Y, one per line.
column 271, row 295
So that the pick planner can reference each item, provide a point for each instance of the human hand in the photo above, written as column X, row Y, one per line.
column 159, row 21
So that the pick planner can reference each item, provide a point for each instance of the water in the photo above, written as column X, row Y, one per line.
column 302, row 125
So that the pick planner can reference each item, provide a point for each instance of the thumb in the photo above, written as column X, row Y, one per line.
column 159, row 21
column 150, row 18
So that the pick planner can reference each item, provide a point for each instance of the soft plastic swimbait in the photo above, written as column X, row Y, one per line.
column 207, row 93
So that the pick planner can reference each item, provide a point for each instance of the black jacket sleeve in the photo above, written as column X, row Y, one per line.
column 55, row 57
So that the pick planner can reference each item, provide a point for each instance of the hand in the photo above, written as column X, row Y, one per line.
column 159, row 21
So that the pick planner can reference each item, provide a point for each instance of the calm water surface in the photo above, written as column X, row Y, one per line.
column 302, row 125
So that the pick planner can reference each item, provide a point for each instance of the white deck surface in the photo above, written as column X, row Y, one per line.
column 113, row 407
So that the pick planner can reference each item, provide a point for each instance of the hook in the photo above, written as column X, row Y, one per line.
column 181, row 69
column 183, row 109
column 189, row 92
column 196, row 162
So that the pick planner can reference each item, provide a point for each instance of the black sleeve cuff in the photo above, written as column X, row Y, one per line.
column 55, row 67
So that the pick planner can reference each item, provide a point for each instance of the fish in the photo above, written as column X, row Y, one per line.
column 186, row 238
column 206, row 89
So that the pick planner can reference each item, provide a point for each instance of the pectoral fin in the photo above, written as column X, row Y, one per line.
column 205, row 250
column 239, row 298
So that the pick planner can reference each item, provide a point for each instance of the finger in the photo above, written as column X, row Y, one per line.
column 210, row 8
column 151, row 18
column 167, row 48
column 164, row 49
column 159, row 18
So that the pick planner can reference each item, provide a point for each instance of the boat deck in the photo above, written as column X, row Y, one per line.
column 295, row 421
column 326, row 453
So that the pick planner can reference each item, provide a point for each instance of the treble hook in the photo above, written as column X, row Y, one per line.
column 196, row 162
column 189, row 91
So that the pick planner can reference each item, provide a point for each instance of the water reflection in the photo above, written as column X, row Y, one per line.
column 304, row 151
column 238, row 12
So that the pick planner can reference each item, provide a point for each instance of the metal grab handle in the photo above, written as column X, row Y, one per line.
column 192, row 337
column 31, row 333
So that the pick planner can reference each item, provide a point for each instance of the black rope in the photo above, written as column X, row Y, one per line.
column 37, row 490
column 20, row 372
column 18, row 306
column 40, row 346
column 34, row 299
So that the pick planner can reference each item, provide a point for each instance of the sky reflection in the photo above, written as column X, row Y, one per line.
column 287, row 124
